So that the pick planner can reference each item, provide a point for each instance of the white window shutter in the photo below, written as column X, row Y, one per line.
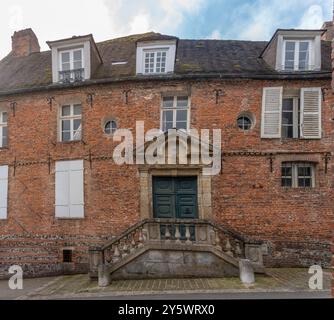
column 271, row 126
column 76, row 189
column 3, row 192
column 311, row 113
column 69, row 189
column 62, row 190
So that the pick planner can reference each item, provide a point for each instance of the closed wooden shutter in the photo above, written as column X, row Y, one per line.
column 3, row 192
column 69, row 189
column 272, row 112
column 311, row 113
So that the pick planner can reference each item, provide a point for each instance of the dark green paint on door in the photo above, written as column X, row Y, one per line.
column 175, row 197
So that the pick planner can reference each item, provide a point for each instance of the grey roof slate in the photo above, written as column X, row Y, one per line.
column 194, row 58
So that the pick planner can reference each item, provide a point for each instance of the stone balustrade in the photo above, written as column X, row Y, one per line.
column 174, row 234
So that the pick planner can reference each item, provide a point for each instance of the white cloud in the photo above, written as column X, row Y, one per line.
column 215, row 35
column 146, row 15
column 258, row 20
column 313, row 18
column 140, row 24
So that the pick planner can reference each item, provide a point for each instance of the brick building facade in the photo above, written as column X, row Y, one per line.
column 260, row 193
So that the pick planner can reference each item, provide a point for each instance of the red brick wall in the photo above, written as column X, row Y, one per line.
column 247, row 196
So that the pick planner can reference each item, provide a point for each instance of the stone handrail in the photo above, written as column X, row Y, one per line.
column 180, row 232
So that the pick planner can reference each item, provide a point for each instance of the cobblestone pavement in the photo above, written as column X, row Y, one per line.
column 80, row 286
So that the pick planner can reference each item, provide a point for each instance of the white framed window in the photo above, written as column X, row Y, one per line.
column 157, row 57
column 175, row 113
column 70, row 189
column 3, row 129
column 155, row 61
column 291, row 117
column 70, row 122
column 297, row 55
column 298, row 175
column 71, row 65
column 296, row 117
column 3, row 192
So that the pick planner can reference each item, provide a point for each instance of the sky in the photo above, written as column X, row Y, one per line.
column 187, row 19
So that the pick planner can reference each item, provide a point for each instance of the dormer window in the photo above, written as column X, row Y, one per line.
column 74, row 59
column 156, row 55
column 71, row 65
column 155, row 61
column 292, row 50
column 297, row 55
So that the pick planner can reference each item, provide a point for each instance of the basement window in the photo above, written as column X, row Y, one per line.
column 298, row 175
column 67, row 256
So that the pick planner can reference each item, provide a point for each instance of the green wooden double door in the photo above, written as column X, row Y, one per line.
column 175, row 197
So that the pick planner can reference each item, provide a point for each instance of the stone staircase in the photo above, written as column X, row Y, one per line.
column 159, row 248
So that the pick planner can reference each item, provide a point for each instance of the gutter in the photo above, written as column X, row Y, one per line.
column 200, row 77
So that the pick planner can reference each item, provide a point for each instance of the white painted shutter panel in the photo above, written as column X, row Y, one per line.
column 76, row 189
column 311, row 113
column 272, row 112
column 3, row 192
column 69, row 189
column 62, row 189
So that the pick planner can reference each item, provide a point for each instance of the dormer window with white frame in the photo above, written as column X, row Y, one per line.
column 155, row 61
column 297, row 55
column 74, row 59
column 157, row 57
column 71, row 65
column 293, row 51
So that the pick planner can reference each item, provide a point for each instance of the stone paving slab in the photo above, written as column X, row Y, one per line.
column 275, row 280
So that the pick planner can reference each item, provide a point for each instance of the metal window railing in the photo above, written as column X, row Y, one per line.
column 69, row 76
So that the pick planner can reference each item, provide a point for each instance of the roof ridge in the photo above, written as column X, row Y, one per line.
column 137, row 35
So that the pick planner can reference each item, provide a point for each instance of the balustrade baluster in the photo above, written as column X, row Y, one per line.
column 168, row 235
column 177, row 234
column 125, row 249
column 188, row 236
column 145, row 233
column 117, row 254
column 217, row 242
column 108, row 256
column 212, row 236
column 141, row 239
column 238, row 249
column 229, row 248
column 133, row 244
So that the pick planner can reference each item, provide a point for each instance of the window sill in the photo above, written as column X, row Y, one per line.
column 69, row 142
column 299, row 189
column 70, row 219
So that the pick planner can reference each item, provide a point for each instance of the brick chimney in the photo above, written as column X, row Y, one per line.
column 24, row 43
column 329, row 34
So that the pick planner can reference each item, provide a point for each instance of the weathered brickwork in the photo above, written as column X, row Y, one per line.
column 246, row 196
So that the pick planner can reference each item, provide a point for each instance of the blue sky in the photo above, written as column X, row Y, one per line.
column 106, row 19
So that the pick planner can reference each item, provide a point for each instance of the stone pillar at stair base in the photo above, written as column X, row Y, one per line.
column 246, row 272
column 104, row 276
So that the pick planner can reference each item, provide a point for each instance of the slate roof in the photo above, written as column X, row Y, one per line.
column 194, row 59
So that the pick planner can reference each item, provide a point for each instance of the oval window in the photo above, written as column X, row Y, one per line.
column 245, row 123
column 110, row 127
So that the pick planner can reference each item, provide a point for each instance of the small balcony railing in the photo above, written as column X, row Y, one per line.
column 70, row 76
